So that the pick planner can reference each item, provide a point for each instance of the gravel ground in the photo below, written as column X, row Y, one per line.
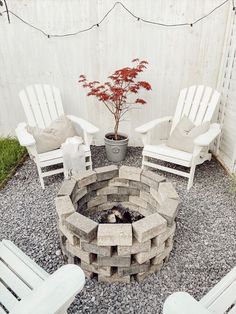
column 204, row 249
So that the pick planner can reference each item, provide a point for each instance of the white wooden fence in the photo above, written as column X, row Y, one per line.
column 178, row 56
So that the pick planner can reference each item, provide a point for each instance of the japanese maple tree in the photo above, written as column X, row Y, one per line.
column 116, row 94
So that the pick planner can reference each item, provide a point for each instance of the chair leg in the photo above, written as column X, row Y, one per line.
column 40, row 176
column 144, row 167
column 191, row 177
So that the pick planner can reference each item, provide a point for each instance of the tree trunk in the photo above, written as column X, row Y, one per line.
column 116, row 128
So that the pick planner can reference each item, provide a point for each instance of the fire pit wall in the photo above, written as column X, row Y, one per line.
column 117, row 252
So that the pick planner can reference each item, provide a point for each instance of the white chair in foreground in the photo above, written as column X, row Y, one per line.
column 198, row 103
column 25, row 288
column 42, row 104
column 219, row 300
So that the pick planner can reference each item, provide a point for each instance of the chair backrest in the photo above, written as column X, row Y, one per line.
column 42, row 104
column 198, row 103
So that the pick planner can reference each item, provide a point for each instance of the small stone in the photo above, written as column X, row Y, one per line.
column 58, row 252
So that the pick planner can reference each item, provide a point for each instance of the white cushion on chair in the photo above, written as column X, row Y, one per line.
column 52, row 137
column 183, row 135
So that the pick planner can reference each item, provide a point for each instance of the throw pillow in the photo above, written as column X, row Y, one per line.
column 54, row 135
column 184, row 134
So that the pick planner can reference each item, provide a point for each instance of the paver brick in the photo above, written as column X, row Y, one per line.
column 72, row 239
column 76, row 251
column 118, row 182
column 107, row 205
column 106, row 173
column 114, row 261
column 64, row 207
column 135, row 248
column 95, row 268
column 160, row 257
column 169, row 210
column 67, row 187
column 114, row 278
column 97, row 201
column 130, row 173
column 153, row 269
column 139, row 185
column 85, row 178
column 161, row 238
column 129, row 191
column 117, row 198
column 149, row 199
column 114, row 234
column 79, row 193
column 97, row 185
column 149, row 227
column 108, row 190
column 82, row 226
column 138, row 201
column 145, row 256
column 92, row 247
column 166, row 190
column 134, row 268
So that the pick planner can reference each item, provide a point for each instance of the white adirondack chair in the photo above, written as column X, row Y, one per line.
column 199, row 104
column 219, row 300
column 25, row 288
column 42, row 104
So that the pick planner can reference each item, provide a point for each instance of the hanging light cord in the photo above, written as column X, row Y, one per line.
column 118, row 3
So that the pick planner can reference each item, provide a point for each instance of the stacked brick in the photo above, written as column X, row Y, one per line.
column 117, row 252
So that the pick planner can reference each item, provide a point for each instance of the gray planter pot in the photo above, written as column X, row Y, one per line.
column 116, row 150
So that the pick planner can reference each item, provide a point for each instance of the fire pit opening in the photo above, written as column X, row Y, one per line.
column 117, row 214
column 118, row 224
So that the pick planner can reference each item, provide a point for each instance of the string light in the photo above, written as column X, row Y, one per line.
column 138, row 18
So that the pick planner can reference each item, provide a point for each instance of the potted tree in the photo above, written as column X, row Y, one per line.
column 118, row 94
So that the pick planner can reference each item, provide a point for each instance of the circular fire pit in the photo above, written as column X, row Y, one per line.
column 124, row 245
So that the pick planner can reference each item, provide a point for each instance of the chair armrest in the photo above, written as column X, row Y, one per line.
column 85, row 125
column 183, row 303
column 207, row 138
column 24, row 137
column 55, row 293
column 150, row 125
